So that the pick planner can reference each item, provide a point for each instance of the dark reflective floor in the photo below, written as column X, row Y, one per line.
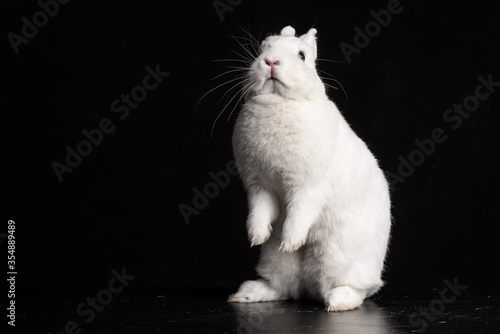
column 309, row 317
column 206, row 311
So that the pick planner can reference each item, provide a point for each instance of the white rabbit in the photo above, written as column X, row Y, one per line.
column 319, row 203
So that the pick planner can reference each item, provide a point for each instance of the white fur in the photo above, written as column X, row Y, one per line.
column 318, row 202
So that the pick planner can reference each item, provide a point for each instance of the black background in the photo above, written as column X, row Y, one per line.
column 119, row 207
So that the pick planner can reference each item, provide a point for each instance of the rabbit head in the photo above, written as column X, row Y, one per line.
column 286, row 67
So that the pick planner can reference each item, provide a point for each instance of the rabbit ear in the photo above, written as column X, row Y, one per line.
column 288, row 31
column 310, row 38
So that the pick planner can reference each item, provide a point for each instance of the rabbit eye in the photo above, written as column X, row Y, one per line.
column 302, row 56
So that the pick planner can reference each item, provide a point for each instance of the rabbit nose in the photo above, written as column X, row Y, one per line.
column 271, row 63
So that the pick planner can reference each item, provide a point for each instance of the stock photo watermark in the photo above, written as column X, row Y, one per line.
column 453, row 117
column 30, row 28
column 202, row 197
column 363, row 36
column 88, row 309
column 223, row 6
column 11, row 272
column 436, row 307
column 121, row 107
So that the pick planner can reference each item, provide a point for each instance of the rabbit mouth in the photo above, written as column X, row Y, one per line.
column 274, row 79
column 271, row 83
column 275, row 84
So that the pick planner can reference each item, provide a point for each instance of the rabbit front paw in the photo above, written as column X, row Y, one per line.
column 259, row 235
column 294, row 237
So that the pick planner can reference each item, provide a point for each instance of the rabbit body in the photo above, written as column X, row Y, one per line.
column 318, row 202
